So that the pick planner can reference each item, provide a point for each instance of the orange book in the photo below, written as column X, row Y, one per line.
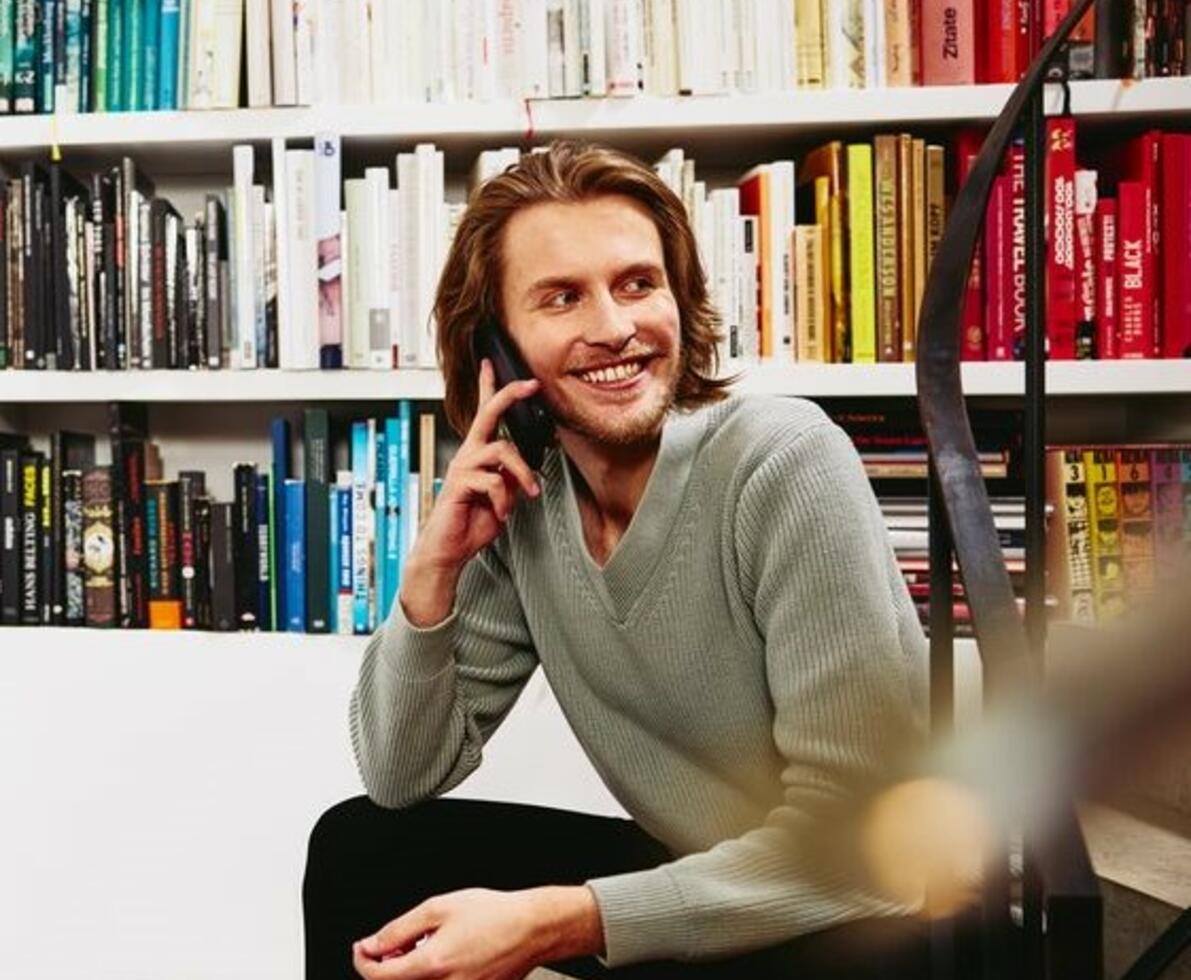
column 754, row 201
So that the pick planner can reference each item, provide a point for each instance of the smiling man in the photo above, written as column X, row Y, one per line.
column 705, row 580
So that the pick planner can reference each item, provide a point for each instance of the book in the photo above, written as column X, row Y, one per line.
column 1136, row 521
column 244, row 545
column 265, row 535
column 316, row 434
column 99, row 591
column 162, row 554
column 224, row 614
column 860, row 253
column 295, row 570
column 128, row 434
column 1100, row 473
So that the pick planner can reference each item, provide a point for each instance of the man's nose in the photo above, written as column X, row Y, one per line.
column 610, row 324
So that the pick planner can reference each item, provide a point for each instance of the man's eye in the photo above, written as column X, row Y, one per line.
column 641, row 284
column 562, row 299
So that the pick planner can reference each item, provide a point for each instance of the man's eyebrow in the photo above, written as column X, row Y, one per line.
column 561, row 282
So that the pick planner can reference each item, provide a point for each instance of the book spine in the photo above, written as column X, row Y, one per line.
column 860, row 253
column 190, row 487
column 426, row 457
column 887, row 248
column 264, row 544
column 317, row 453
column 244, row 545
column 49, row 558
column 327, row 231
column 295, row 560
column 152, row 48
column 134, row 54
column 1176, row 243
column 1075, row 514
column 344, row 588
column 380, row 510
column 167, row 73
column 1167, row 490
column 47, row 19
column 161, row 530
column 1134, row 289
column 948, row 42
column 99, row 58
column 1017, row 250
column 898, row 50
column 223, row 567
column 1060, row 224
column 73, row 612
column 1136, row 522
column 98, row 547
column 998, row 336
column 1107, row 346
column 394, row 488
column 279, row 433
column 1100, row 472
column 202, row 563
column 361, row 528
column 29, row 546
column 1085, row 263
column 117, row 66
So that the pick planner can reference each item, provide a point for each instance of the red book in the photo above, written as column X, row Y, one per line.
column 1140, row 160
column 998, row 333
column 948, row 42
column 1017, row 250
column 1085, row 263
column 1060, row 234
column 1135, row 327
column 1106, row 279
column 972, row 342
column 1000, row 41
column 1023, row 51
column 1053, row 12
column 1176, row 245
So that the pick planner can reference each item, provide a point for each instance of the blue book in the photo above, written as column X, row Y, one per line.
column 342, row 570
column 151, row 32
column 264, row 543
column 24, row 57
column 295, row 551
column 86, row 29
column 380, row 485
column 404, row 416
column 361, row 553
column 279, row 431
column 394, row 491
column 116, row 67
column 333, row 558
column 167, row 59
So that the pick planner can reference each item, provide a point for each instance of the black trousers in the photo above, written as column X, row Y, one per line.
column 367, row 865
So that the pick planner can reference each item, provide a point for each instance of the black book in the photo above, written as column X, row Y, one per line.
column 10, row 518
column 196, row 297
column 202, row 562
column 175, row 272
column 5, row 322
column 29, row 541
column 316, row 435
column 48, row 530
column 223, row 567
column 160, row 211
column 134, row 187
column 96, row 291
column 86, row 22
column 15, row 259
column 33, row 194
column 64, row 342
column 117, row 281
column 99, row 569
column 216, row 256
column 245, row 545
column 128, row 429
column 72, row 548
column 68, row 451
column 1110, row 54
column 191, row 486
column 161, row 538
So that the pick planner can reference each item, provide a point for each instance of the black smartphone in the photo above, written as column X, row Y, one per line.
column 527, row 422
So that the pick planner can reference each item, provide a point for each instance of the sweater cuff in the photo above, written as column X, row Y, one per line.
column 416, row 653
column 644, row 917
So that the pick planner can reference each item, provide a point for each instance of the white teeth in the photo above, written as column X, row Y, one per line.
column 620, row 372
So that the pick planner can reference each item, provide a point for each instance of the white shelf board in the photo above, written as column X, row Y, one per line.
column 1064, row 379
column 473, row 124
column 218, row 386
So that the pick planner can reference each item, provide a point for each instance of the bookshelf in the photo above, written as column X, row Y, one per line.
column 255, row 723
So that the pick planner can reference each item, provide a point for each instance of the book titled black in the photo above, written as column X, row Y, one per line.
column 316, row 435
column 191, row 486
column 128, row 430
column 223, row 567
column 244, row 545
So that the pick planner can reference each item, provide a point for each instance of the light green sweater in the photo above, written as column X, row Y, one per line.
column 748, row 649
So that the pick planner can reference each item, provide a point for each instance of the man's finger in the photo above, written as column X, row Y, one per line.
column 489, row 413
column 487, row 381
column 401, row 933
column 414, row 965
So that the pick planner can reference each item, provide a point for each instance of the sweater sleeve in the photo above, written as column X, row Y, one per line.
column 428, row 699
column 845, row 668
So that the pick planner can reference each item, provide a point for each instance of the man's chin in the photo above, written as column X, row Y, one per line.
column 622, row 433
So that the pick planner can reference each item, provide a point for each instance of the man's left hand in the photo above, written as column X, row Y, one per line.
column 479, row 934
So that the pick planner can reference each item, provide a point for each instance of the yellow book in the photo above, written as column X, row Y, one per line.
column 936, row 203
column 889, row 271
column 810, row 274
column 426, row 453
column 808, row 44
column 1108, row 574
column 824, row 166
column 823, row 220
column 918, row 247
column 860, row 253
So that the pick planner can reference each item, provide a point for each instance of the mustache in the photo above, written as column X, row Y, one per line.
column 645, row 353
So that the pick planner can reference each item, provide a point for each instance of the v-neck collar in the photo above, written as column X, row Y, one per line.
column 621, row 582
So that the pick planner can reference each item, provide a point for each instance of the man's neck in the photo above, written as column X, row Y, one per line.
column 610, row 486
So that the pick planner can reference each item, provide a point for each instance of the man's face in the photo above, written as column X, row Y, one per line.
column 587, row 301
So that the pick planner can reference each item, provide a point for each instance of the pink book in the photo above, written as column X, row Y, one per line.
column 1017, row 250
column 997, row 330
column 1060, row 237
column 1176, row 245
column 948, row 42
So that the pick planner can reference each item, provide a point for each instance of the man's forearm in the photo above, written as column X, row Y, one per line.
column 569, row 923
column 427, row 594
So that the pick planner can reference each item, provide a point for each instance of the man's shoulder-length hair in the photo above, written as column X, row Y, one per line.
column 469, row 289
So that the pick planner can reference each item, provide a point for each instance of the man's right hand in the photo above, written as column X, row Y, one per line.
column 479, row 492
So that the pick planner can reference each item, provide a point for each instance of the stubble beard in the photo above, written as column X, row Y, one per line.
column 619, row 429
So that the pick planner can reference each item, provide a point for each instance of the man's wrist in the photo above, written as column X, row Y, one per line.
column 569, row 922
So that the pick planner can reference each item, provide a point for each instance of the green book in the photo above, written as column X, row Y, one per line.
column 24, row 68
column 7, row 23
column 134, row 55
column 99, row 58
column 116, row 84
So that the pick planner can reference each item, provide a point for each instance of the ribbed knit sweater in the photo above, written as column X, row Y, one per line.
column 748, row 650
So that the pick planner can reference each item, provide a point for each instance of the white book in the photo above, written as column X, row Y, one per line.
column 782, row 212
column 593, row 49
column 532, row 49
column 572, row 54
column 327, row 43
column 260, row 75
column 144, row 297
column 345, row 307
column 465, row 55
column 357, row 279
column 623, row 33
column 285, row 67
column 301, row 259
column 489, row 163
column 658, row 62
column 431, row 214
column 844, row 44
column 408, row 345
column 279, row 242
column 383, row 79
column 411, row 85
column 786, row 37
column 745, row 35
column 260, row 255
column 728, row 52
column 434, row 40
column 329, row 247
column 186, row 16
column 355, row 81
column 555, row 58
column 244, row 328
column 690, row 48
column 874, row 43
column 304, row 14
column 85, row 291
column 508, row 73
column 229, row 31
column 750, row 248
column 393, row 268
column 380, row 341
column 411, row 516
